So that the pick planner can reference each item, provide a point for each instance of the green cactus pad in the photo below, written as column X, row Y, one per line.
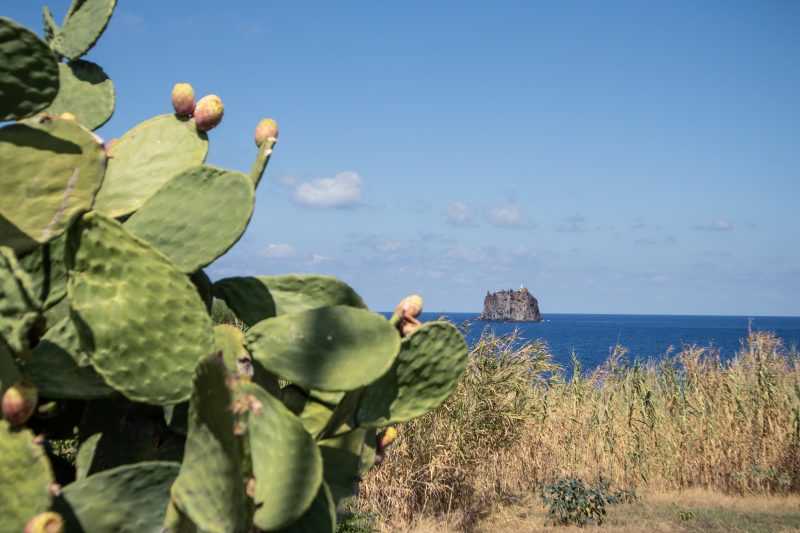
column 210, row 488
column 45, row 266
column 426, row 371
column 287, row 465
column 229, row 341
column 330, row 348
column 50, row 28
column 315, row 416
column 255, row 298
column 320, row 517
column 25, row 478
column 368, row 452
column 146, row 158
column 85, row 23
column 54, row 366
column 261, row 162
column 20, row 309
column 141, row 321
column 328, row 398
column 196, row 216
column 127, row 499
column 9, row 373
column 342, row 459
column 85, row 457
column 28, row 72
column 54, row 167
column 86, row 92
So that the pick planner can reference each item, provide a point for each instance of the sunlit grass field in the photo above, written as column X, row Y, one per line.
column 704, row 443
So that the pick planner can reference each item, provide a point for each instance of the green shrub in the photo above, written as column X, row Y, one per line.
column 572, row 501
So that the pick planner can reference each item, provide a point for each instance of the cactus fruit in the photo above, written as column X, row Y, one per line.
column 406, row 313
column 266, row 130
column 208, row 112
column 387, row 438
column 48, row 522
column 183, row 99
column 19, row 402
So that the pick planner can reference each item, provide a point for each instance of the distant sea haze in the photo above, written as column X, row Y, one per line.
column 592, row 337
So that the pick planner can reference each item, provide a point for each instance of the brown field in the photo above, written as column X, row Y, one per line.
column 705, row 444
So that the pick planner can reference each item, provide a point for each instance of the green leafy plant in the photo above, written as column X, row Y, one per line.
column 572, row 501
column 242, row 404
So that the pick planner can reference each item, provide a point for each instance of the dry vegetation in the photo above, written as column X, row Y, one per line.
column 516, row 421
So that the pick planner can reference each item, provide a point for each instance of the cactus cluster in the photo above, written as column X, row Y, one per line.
column 106, row 330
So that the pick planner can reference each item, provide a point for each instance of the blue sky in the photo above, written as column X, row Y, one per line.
column 615, row 157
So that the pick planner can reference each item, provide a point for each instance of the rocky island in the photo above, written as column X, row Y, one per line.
column 511, row 305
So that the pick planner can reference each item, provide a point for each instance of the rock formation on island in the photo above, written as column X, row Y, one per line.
column 511, row 305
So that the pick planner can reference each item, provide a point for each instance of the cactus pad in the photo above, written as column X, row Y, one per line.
column 255, row 298
column 342, row 459
column 54, row 167
column 127, row 499
column 330, row 348
column 86, row 92
column 9, row 373
column 229, row 341
column 320, row 517
column 85, row 456
column 85, row 23
column 210, row 488
column 261, row 162
column 28, row 72
column 25, row 478
column 196, row 216
column 53, row 366
column 426, row 371
column 45, row 266
column 19, row 306
column 49, row 24
column 287, row 465
column 124, row 296
column 147, row 157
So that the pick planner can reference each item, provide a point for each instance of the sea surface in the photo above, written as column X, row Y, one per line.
column 591, row 337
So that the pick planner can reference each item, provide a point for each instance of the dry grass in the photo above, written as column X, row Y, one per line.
column 692, row 510
column 516, row 422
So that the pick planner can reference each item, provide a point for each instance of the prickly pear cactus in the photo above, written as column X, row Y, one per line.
column 25, row 476
column 236, row 405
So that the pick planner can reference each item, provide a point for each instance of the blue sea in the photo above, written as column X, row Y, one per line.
column 646, row 336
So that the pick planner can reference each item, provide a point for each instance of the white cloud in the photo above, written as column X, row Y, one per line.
column 315, row 259
column 278, row 251
column 506, row 215
column 288, row 181
column 458, row 214
column 343, row 190
column 716, row 225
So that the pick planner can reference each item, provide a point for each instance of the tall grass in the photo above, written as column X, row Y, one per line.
column 517, row 421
